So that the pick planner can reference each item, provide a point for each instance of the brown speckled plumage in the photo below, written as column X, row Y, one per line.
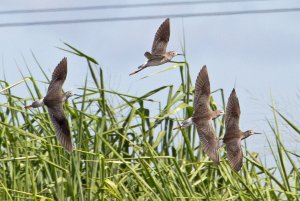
column 203, row 115
column 54, row 101
column 233, row 134
column 159, row 55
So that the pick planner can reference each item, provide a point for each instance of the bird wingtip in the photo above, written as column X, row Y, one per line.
column 68, row 147
column 204, row 68
column 216, row 160
column 233, row 93
column 63, row 61
column 237, row 168
column 69, row 150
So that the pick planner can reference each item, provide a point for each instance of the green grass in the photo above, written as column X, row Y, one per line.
column 127, row 152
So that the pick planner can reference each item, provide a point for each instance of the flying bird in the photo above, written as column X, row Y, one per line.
column 158, row 55
column 203, row 116
column 54, row 101
column 233, row 134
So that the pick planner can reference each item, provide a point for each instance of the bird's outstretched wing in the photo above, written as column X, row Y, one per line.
column 58, row 78
column 208, row 140
column 235, row 153
column 202, row 92
column 232, row 117
column 61, row 126
column 161, row 38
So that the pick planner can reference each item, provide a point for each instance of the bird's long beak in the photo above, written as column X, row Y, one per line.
column 177, row 127
column 180, row 54
column 78, row 95
column 28, row 106
column 257, row 133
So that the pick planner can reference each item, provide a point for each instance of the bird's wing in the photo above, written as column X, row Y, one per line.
column 232, row 116
column 208, row 140
column 235, row 153
column 58, row 78
column 161, row 38
column 202, row 92
column 61, row 126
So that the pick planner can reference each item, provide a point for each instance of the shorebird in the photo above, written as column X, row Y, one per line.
column 203, row 116
column 233, row 134
column 54, row 101
column 158, row 55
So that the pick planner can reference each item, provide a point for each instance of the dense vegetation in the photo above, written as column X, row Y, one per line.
column 128, row 152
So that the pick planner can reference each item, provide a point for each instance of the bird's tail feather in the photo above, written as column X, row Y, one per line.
column 148, row 55
column 136, row 71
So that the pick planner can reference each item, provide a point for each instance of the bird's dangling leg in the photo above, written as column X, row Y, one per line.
column 139, row 69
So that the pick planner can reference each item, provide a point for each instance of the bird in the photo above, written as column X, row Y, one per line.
column 54, row 101
column 158, row 55
column 203, row 116
column 233, row 135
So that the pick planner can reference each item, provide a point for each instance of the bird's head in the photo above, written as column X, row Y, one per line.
column 249, row 133
column 184, row 124
column 68, row 94
column 218, row 113
column 173, row 53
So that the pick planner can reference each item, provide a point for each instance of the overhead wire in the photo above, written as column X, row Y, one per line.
column 183, row 15
column 118, row 6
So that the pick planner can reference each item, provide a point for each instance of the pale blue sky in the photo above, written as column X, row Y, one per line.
column 260, row 53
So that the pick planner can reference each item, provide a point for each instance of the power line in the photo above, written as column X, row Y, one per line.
column 64, row 9
column 184, row 15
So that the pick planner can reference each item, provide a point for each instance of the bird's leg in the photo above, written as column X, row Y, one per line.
column 137, row 71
